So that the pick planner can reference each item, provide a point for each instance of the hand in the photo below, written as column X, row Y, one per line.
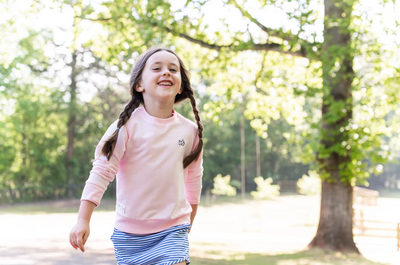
column 79, row 234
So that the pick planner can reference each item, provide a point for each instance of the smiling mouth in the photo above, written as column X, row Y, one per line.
column 165, row 83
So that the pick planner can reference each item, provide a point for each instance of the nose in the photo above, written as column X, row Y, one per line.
column 166, row 73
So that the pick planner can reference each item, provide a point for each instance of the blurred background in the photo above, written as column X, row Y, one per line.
column 259, row 73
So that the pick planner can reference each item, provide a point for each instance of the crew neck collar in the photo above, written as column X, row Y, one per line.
column 157, row 120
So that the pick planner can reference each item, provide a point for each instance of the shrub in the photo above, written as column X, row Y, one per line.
column 222, row 186
column 265, row 189
column 309, row 185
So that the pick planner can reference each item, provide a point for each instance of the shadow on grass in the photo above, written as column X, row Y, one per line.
column 68, row 256
column 306, row 257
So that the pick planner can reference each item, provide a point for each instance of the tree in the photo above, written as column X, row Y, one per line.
column 29, row 122
column 340, row 85
column 45, row 122
column 335, row 229
column 81, row 57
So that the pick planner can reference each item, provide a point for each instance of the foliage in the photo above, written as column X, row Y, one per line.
column 309, row 185
column 265, row 189
column 240, row 66
column 222, row 186
column 276, row 71
column 279, row 157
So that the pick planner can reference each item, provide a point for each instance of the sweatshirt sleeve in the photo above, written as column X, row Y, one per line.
column 104, row 171
column 194, row 177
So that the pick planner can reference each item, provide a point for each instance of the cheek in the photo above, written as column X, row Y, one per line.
column 178, row 80
column 180, row 85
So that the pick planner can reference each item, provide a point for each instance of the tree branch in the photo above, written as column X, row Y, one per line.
column 94, row 19
column 242, row 47
column 200, row 42
column 259, row 76
column 269, row 31
column 275, row 33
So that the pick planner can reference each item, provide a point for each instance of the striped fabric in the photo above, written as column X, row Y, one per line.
column 167, row 247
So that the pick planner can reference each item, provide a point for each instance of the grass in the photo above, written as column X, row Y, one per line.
column 72, row 206
column 235, row 231
column 389, row 193
column 307, row 257
column 52, row 207
column 237, row 199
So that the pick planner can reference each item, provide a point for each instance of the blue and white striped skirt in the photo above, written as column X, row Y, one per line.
column 167, row 247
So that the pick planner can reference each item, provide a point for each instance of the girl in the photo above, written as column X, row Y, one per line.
column 157, row 156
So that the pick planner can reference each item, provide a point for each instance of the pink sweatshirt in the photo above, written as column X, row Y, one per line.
column 154, row 192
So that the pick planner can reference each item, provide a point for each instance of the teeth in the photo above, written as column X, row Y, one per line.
column 165, row 84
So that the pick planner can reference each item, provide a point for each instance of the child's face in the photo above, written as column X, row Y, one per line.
column 161, row 78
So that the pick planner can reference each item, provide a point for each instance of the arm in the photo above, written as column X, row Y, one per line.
column 102, row 173
column 194, row 184
column 193, row 215
column 80, row 232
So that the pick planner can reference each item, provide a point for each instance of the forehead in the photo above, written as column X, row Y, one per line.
column 163, row 57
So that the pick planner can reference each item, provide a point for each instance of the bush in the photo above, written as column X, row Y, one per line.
column 222, row 186
column 265, row 191
column 309, row 185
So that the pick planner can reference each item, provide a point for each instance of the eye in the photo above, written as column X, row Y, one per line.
column 156, row 69
column 173, row 70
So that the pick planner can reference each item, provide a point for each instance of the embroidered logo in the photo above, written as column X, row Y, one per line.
column 181, row 142
column 120, row 208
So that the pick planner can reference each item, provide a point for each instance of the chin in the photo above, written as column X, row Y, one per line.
column 166, row 98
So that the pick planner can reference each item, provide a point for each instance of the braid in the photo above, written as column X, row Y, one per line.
column 196, row 153
column 109, row 145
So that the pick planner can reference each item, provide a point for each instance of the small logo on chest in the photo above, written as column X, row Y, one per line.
column 181, row 142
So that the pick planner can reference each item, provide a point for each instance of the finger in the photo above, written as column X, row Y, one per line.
column 85, row 237
column 80, row 244
column 72, row 242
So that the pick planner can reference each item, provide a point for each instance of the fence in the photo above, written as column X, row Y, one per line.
column 362, row 199
column 371, row 228
column 365, row 197
column 288, row 186
column 33, row 194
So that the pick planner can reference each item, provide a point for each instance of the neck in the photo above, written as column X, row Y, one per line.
column 162, row 112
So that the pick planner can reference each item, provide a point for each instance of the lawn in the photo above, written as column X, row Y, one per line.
column 230, row 231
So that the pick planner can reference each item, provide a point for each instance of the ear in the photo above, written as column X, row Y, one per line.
column 139, row 88
column 180, row 90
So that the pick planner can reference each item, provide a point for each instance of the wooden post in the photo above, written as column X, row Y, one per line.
column 362, row 221
column 398, row 236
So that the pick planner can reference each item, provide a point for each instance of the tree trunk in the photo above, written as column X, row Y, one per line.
column 71, row 127
column 23, row 178
column 243, row 173
column 258, row 156
column 335, row 228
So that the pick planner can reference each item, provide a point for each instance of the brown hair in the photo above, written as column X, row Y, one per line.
column 137, row 100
